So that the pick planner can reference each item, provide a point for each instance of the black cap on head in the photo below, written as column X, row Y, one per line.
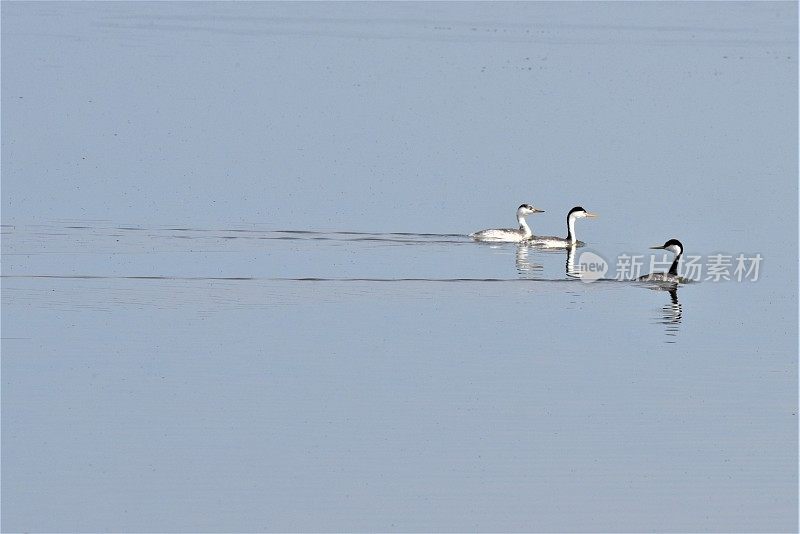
column 575, row 209
column 672, row 242
column 525, row 206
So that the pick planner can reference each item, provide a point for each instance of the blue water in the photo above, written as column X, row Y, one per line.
column 238, row 292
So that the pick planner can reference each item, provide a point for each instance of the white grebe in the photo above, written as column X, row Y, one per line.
column 676, row 247
column 562, row 242
column 510, row 234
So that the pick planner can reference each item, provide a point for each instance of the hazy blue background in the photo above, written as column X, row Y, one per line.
column 174, row 141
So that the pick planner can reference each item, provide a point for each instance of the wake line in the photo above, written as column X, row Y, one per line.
column 181, row 232
column 276, row 279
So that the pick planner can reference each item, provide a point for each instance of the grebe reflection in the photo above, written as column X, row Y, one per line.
column 671, row 314
column 525, row 267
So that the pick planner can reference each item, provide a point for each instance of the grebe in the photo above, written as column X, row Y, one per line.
column 510, row 235
column 560, row 242
column 676, row 247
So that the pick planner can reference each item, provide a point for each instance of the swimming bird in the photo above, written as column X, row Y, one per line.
column 510, row 235
column 676, row 247
column 563, row 242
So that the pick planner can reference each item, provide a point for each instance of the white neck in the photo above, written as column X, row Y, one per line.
column 523, row 225
column 673, row 269
column 571, row 229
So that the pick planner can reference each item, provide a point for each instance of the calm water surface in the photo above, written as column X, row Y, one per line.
column 238, row 292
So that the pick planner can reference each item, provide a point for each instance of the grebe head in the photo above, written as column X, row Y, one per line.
column 579, row 213
column 673, row 245
column 527, row 209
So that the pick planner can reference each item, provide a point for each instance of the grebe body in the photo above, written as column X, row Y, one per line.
column 509, row 235
column 564, row 242
column 676, row 247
